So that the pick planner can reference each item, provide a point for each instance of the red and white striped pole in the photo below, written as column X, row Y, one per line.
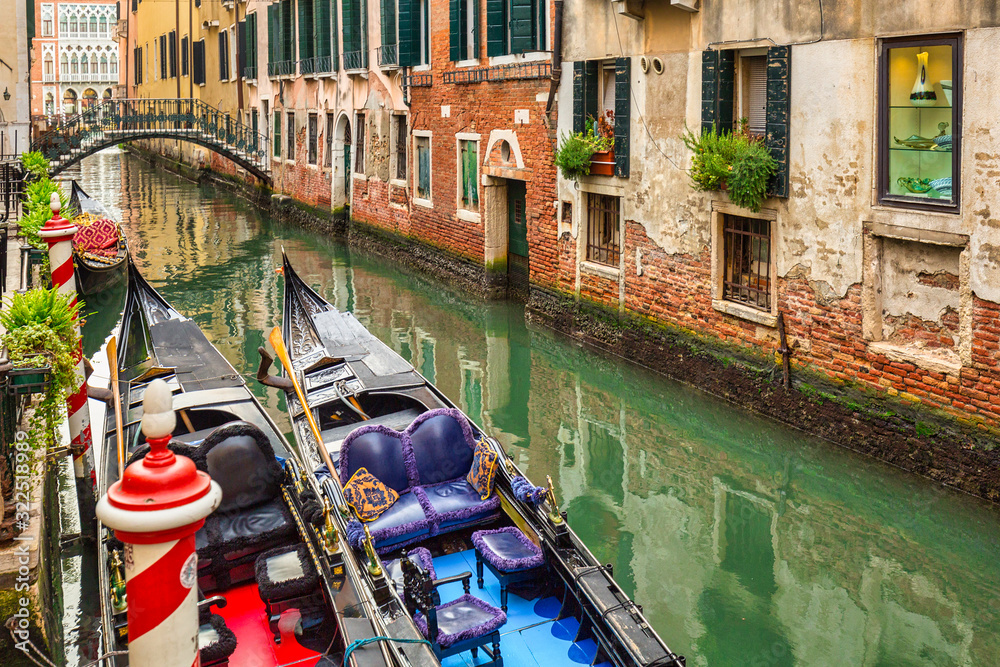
column 155, row 509
column 58, row 233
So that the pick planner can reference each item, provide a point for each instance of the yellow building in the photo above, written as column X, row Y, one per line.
column 191, row 49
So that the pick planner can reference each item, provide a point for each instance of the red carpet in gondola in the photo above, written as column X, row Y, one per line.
column 246, row 617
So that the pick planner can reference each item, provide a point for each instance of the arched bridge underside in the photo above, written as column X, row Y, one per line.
column 118, row 121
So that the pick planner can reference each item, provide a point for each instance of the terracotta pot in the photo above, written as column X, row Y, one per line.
column 602, row 163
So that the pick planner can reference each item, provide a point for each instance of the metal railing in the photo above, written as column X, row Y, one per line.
column 316, row 65
column 89, row 77
column 119, row 120
column 250, row 72
column 388, row 55
column 499, row 73
column 11, row 187
column 417, row 80
column 354, row 60
column 281, row 68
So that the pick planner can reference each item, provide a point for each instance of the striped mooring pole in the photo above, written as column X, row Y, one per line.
column 155, row 509
column 58, row 233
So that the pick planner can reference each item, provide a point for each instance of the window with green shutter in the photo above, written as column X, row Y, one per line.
column 586, row 93
column 355, row 49
column 515, row 26
column 469, row 151
column 464, row 29
column 306, row 36
column 272, row 36
column 198, row 61
column 322, row 36
column 287, row 31
column 409, row 33
column 276, row 140
column 388, row 20
column 623, row 108
column 496, row 27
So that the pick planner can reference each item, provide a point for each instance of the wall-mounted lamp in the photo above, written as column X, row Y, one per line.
column 6, row 94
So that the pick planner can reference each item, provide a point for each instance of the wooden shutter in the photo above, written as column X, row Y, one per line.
column 321, row 30
column 522, row 26
column 388, row 16
column 456, row 29
column 198, row 56
column 305, row 30
column 352, row 27
column 272, row 33
column 172, row 49
column 163, row 56
column 287, row 30
column 718, row 89
column 409, row 33
column 623, row 108
column 333, row 39
column 222, row 56
column 779, row 97
column 579, row 116
column 496, row 27
column 591, row 90
column 241, row 48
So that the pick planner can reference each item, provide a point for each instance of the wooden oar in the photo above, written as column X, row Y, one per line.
column 278, row 343
column 116, row 398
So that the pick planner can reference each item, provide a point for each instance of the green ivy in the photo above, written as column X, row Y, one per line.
column 35, row 164
column 39, row 323
column 575, row 151
column 735, row 160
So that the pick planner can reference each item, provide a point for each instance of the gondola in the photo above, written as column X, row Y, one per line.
column 269, row 511
column 494, row 572
column 100, row 249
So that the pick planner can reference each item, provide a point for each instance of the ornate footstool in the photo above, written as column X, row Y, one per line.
column 509, row 554
column 286, row 579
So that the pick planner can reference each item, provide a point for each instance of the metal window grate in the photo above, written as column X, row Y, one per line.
column 603, row 238
column 747, row 256
column 359, row 147
column 313, row 137
column 499, row 73
column 401, row 147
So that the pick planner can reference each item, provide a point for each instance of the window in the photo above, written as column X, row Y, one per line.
column 172, row 52
column 114, row 64
column 328, row 146
column 603, row 242
column 920, row 131
column 277, row 135
column 400, row 135
column 388, row 27
column 47, row 28
column 184, row 56
column 72, row 24
column 354, row 34
column 104, row 64
column 515, row 26
column 746, row 261
column 198, row 62
column 62, row 26
column 464, row 33
column 763, row 98
column 49, row 66
column 414, row 35
column 248, row 45
column 84, row 65
column 104, row 27
column 74, row 65
column 64, row 64
column 359, row 145
column 602, row 91
column 324, row 31
column 306, row 50
column 313, row 139
column 223, row 55
column 469, row 187
column 422, row 148
column 290, row 136
column 137, row 58
column 93, row 26
column 162, row 53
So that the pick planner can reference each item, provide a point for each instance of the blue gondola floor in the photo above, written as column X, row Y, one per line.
column 531, row 637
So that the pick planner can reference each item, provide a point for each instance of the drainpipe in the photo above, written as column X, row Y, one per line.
column 556, row 58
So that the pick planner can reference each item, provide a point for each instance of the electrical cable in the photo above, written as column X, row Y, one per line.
column 358, row 643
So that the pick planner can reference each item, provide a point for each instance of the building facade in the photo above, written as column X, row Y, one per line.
column 75, row 57
column 876, row 244
column 15, row 44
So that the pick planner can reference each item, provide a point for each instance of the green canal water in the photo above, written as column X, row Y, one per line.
column 747, row 543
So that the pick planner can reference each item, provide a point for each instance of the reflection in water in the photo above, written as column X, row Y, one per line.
column 746, row 542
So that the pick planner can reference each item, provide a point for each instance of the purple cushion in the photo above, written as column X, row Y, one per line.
column 457, row 502
column 508, row 549
column 378, row 449
column 443, row 445
column 400, row 523
column 465, row 618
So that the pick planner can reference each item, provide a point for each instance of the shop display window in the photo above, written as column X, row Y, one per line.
column 920, row 84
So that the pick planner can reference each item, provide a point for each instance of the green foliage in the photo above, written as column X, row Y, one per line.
column 40, row 331
column 575, row 151
column 733, row 159
column 35, row 164
column 37, row 211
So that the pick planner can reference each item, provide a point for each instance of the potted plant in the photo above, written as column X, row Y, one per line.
column 41, row 343
column 602, row 162
column 577, row 151
column 734, row 161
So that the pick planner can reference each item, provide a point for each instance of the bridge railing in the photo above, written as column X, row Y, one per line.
column 127, row 119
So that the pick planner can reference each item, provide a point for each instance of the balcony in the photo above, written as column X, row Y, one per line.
column 250, row 73
column 354, row 60
column 388, row 56
column 92, row 77
column 499, row 73
column 281, row 68
column 316, row 66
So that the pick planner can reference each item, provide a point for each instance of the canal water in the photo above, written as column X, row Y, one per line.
column 746, row 542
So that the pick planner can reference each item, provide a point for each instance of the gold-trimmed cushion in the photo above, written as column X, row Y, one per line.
column 484, row 467
column 368, row 496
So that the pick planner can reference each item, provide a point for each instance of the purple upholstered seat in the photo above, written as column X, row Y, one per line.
column 456, row 503
column 507, row 549
column 462, row 619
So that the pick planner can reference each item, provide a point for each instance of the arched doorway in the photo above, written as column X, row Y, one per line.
column 107, row 94
column 342, row 163
column 69, row 101
column 89, row 99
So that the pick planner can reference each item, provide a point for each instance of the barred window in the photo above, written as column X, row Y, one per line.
column 400, row 147
column 313, row 139
column 359, row 146
column 747, row 259
column 603, row 234
column 290, row 134
column 328, row 147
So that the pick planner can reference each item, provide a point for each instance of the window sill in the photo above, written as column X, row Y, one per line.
column 602, row 270
column 510, row 58
column 937, row 360
column 358, row 177
column 426, row 203
column 398, row 182
column 745, row 312
column 468, row 216
column 471, row 62
column 421, row 68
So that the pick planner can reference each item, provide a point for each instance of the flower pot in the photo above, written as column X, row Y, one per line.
column 602, row 163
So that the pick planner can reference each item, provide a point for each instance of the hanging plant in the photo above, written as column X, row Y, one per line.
column 40, row 329
column 575, row 150
column 736, row 161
